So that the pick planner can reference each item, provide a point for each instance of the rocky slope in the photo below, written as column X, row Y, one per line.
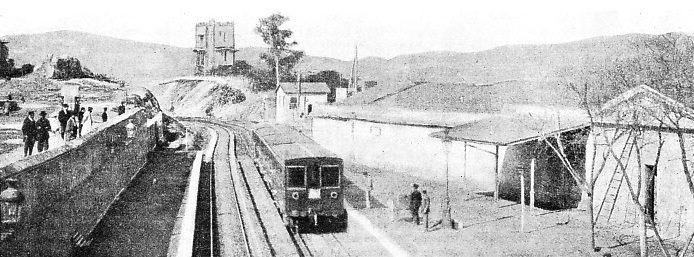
column 227, row 98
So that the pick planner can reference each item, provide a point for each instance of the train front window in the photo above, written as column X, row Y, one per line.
column 295, row 176
column 330, row 176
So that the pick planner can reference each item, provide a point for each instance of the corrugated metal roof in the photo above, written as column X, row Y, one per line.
column 306, row 87
column 503, row 130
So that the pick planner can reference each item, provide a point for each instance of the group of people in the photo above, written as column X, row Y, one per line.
column 419, row 204
column 35, row 131
column 73, row 124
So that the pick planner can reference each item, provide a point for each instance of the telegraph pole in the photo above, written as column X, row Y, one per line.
column 446, row 220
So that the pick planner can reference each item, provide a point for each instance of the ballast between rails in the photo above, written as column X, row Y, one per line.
column 250, row 180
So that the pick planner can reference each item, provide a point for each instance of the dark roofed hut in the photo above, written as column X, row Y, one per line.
column 522, row 140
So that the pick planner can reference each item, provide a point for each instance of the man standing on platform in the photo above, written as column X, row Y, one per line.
column 415, row 203
column 121, row 108
column 80, row 118
column 63, row 117
column 104, row 116
column 424, row 209
column 29, row 132
column 43, row 126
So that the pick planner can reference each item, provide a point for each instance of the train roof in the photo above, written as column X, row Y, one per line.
column 287, row 143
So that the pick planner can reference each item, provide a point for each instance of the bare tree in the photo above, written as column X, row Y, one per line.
column 665, row 63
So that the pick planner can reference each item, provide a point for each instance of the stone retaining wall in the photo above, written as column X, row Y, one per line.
column 68, row 189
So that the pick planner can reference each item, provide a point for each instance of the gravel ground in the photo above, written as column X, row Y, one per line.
column 485, row 227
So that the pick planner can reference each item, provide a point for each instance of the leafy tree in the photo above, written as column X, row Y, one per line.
column 71, row 68
column 7, row 69
column 68, row 68
column 240, row 68
column 26, row 69
column 332, row 78
column 226, row 95
column 280, row 57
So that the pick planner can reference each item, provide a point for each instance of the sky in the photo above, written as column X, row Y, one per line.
column 378, row 28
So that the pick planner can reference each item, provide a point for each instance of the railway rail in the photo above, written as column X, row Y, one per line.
column 246, row 222
column 244, row 219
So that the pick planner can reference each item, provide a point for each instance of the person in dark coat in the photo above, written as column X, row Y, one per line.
column 104, row 116
column 121, row 109
column 80, row 118
column 43, row 126
column 29, row 132
column 415, row 203
column 63, row 117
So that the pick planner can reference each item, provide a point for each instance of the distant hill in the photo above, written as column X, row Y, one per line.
column 542, row 69
column 518, row 62
column 123, row 59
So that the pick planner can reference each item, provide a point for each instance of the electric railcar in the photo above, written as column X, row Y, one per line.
column 306, row 180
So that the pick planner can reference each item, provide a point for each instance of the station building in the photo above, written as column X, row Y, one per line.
column 641, row 127
column 296, row 100
column 442, row 131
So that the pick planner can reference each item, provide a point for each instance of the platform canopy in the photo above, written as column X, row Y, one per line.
column 510, row 130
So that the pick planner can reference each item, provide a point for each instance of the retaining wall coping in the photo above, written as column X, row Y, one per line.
column 37, row 159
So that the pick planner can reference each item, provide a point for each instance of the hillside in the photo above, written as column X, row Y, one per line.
column 209, row 96
column 518, row 62
column 123, row 59
column 537, row 69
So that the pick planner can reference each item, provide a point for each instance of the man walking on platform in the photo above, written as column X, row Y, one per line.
column 43, row 126
column 63, row 117
column 29, row 132
column 415, row 203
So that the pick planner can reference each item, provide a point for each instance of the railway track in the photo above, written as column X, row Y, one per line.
column 323, row 244
column 246, row 222
column 246, row 204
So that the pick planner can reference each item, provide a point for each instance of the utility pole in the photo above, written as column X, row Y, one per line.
column 446, row 220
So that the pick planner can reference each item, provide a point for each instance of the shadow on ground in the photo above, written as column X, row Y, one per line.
column 356, row 196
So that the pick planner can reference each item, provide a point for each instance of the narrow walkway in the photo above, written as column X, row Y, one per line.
column 54, row 141
column 141, row 221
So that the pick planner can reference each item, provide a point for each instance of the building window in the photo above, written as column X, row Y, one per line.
column 292, row 102
column 225, row 37
column 225, row 56
column 376, row 131
column 201, row 38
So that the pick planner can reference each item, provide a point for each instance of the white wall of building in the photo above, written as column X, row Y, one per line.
column 281, row 105
column 283, row 112
column 674, row 204
column 407, row 149
column 340, row 94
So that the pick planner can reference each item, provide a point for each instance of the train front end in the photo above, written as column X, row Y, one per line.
column 314, row 194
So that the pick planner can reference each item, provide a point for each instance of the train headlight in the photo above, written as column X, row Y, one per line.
column 333, row 194
column 295, row 195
